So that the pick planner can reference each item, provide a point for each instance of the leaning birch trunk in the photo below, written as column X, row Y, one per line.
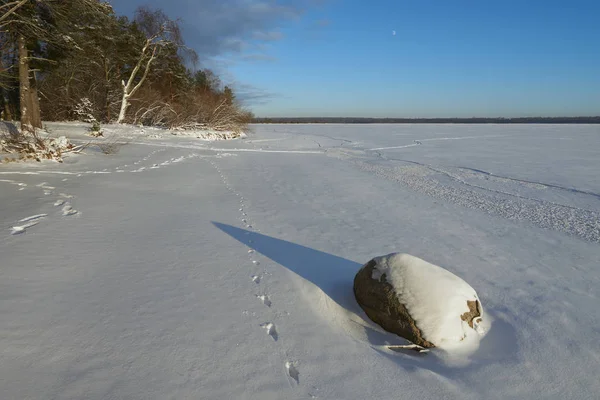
column 128, row 88
column 124, row 106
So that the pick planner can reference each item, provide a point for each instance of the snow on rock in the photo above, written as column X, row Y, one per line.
column 419, row 301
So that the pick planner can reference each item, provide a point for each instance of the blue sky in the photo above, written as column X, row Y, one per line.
column 446, row 58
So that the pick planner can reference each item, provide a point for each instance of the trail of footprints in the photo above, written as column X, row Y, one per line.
column 173, row 160
column 291, row 367
column 63, row 201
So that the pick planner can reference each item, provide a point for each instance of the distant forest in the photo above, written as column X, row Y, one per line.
column 360, row 120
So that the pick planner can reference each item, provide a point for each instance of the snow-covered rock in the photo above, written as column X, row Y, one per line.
column 419, row 301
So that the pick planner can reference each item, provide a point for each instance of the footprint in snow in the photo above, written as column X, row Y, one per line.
column 265, row 299
column 28, row 223
column 255, row 262
column 59, row 203
column 271, row 331
column 292, row 371
column 36, row 217
column 250, row 251
column 256, row 279
column 68, row 210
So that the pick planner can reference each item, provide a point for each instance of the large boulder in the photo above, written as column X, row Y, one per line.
column 419, row 301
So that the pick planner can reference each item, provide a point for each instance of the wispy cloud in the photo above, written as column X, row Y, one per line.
column 322, row 23
column 220, row 27
column 252, row 95
column 257, row 57
column 270, row 36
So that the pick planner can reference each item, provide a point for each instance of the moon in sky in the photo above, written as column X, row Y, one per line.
column 393, row 33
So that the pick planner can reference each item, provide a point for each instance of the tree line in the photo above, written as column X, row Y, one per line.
column 474, row 120
column 79, row 60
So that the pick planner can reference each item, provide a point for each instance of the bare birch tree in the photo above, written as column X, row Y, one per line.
column 160, row 32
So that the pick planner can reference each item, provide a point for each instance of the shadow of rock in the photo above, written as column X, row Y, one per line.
column 332, row 274
column 335, row 275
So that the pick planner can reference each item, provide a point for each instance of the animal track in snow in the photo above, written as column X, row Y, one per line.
column 59, row 203
column 33, row 218
column 255, row 262
column 68, row 210
column 292, row 371
column 265, row 299
column 21, row 184
column 255, row 279
column 271, row 330
column 29, row 222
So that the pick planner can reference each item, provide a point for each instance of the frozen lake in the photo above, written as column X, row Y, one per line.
column 179, row 268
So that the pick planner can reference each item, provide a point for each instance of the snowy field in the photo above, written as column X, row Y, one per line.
column 187, row 269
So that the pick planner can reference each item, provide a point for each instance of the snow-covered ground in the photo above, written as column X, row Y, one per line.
column 179, row 268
